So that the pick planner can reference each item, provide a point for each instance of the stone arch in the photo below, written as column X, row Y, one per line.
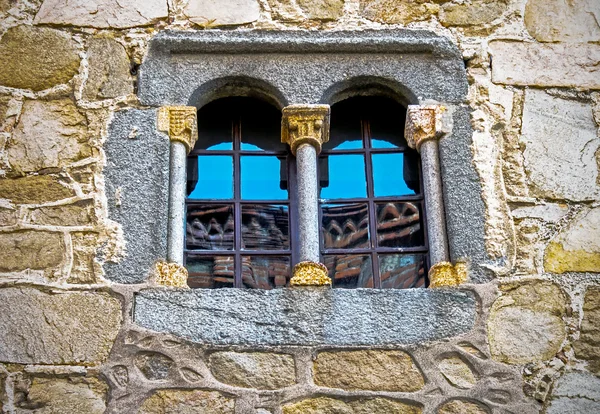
column 369, row 86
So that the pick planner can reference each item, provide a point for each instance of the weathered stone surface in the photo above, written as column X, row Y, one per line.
column 322, row 9
column 577, row 247
column 560, row 140
column 179, row 401
column 525, row 323
column 64, row 396
column 457, row 372
column 588, row 345
column 2, row 391
column 462, row 407
column 473, row 13
column 368, row 370
column 563, row 21
column 85, row 268
column 8, row 216
column 5, row 5
column 37, row 58
column 536, row 64
column 547, row 212
column 64, row 328
column 35, row 250
column 80, row 213
column 101, row 13
column 575, row 393
column 109, row 75
column 49, row 135
column 222, row 13
column 307, row 317
column 34, row 189
column 155, row 366
column 325, row 405
column 286, row 10
column 397, row 12
column 265, row 371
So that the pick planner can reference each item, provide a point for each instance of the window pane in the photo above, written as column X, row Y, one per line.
column 261, row 128
column 261, row 178
column 215, row 127
column 400, row 271
column 265, row 227
column 265, row 272
column 350, row 271
column 388, row 175
column 210, row 272
column 215, row 178
column 387, row 132
column 209, row 227
column 399, row 225
column 346, row 177
column 345, row 226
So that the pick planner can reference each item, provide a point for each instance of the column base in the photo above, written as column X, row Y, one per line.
column 310, row 274
column 171, row 274
column 445, row 274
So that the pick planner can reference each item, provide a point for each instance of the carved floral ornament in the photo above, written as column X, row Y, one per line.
column 305, row 124
column 424, row 122
column 180, row 123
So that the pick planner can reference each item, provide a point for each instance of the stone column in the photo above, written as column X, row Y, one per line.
column 305, row 128
column 424, row 127
column 180, row 123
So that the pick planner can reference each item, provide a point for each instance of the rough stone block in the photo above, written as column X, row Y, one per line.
column 575, row 393
column 577, row 247
column 154, row 366
column 525, row 323
column 536, row 64
column 397, row 12
column 8, row 216
column 462, row 407
column 34, row 189
column 368, row 370
column 63, row 396
column 307, row 316
column 61, row 328
column 265, row 371
column 29, row 249
column 109, row 75
column 473, row 13
column 184, row 401
column 37, row 58
column 322, row 9
column 587, row 346
column 85, row 268
column 563, row 21
column 50, row 134
column 457, row 372
column 102, row 14
column 80, row 213
column 560, row 140
column 328, row 405
column 222, row 13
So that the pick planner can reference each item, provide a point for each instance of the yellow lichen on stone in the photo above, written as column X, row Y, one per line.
column 310, row 274
column 559, row 260
column 171, row 274
column 180, row 123
column 445, row 274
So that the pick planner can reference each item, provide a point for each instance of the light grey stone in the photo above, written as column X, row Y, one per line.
column 547, row 212
column 551, row 64
column 576, row 393
column 59, row 328
column 223, row 12
column 560, row 140
column 101, row 13
column 563, row 21
column 307, row 316
column 137, row 165
column 109, row 70
column 308, row 203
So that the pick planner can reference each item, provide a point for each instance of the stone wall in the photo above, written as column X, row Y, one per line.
column 68, row 343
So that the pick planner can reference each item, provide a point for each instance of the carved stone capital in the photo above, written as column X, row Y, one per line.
column 305, row 124
column 423, row 122
column 445, row 274
column 310, row 274
column 180, row 123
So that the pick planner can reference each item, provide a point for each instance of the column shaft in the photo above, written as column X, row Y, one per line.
column 308, row 207
column 177, row 186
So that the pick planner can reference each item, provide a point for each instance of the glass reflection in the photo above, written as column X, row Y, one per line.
column 399, row 225
column 265, row 227
column 350, row 271
column 261, row 178
column 400, row 271
column 210, row 272
column 261, row 128
column 209, row 227
column 215, row 127
column 265, row 272
column 345, row 226
column 215, row 178
column 388, row 175
column 346, row 177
